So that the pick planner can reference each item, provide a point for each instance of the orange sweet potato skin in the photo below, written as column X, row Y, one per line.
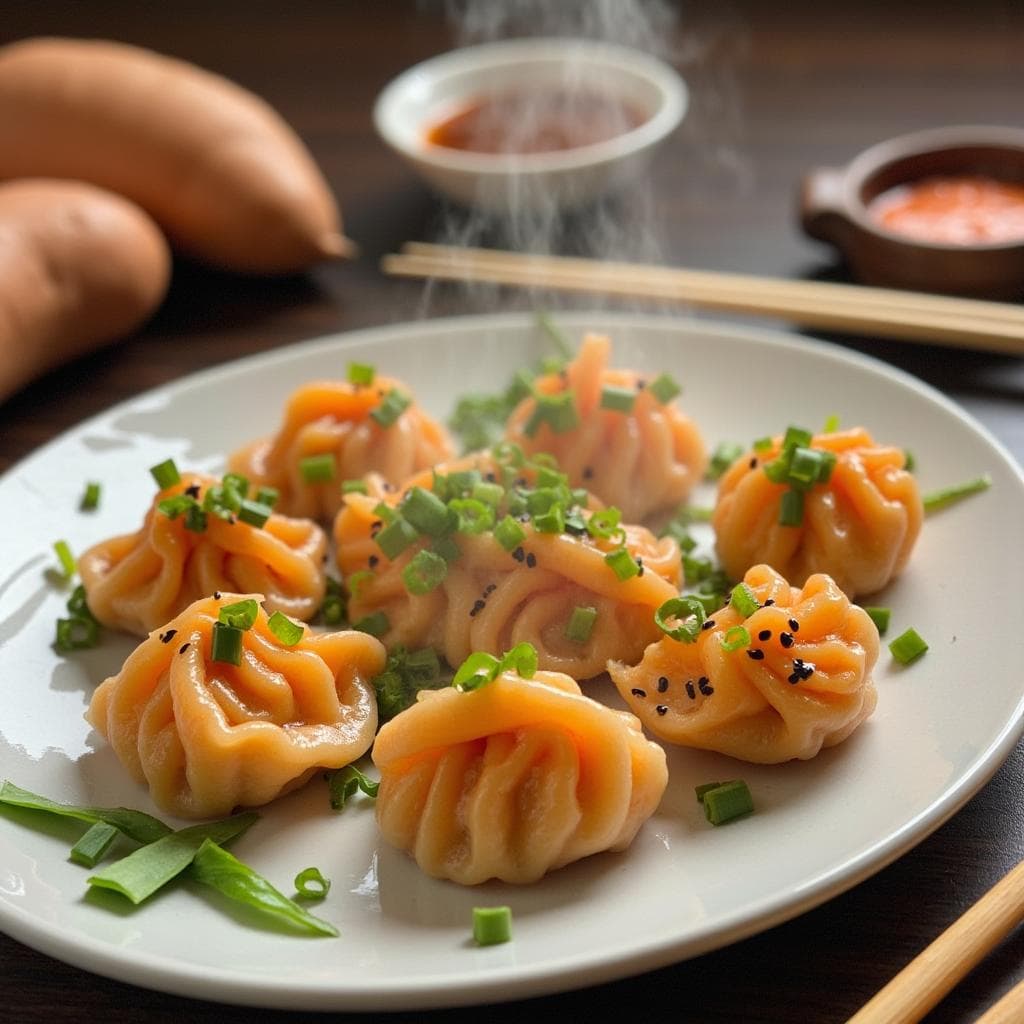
column 79, row 267
column 225, row 177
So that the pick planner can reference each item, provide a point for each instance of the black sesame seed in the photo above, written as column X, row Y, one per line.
column 786, row 639
column 192, row 491
column 372, row 561
column 661, row 709
column 166, row 638
column 216, row 595
column 794, row 625
column 531, row 561
column 637, row 692
column 662, row 684
column 641, row 384
column 183, row 648
column 588, row 472
column 478, row 606
column 794, row 678
column 690, row 691
column 519, row 554
column 753, row 463
column 769, row 602
column 490, row 588
column 708, row 624
column 704, row 686
column 755, row 653
column 490, row 478
column 765, row 634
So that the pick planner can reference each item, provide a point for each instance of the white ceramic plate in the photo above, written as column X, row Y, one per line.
column 941, row 729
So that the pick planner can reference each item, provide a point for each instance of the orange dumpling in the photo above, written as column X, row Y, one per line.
column 489, row 596
column 514, row 779
column 138, row 581
column 859, row 527
column 644, row 456
column 780, row 683
column 208, row 736
column 354, row 429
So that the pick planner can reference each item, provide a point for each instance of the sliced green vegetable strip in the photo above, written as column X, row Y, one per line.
column 93, row 846
column 880, row 617
column 141, row 873
column 287, row 632
column 240, row 614
column 165, row 474
column 226, row 644
column 215, row 867
column 728, row 801
column 317, row 468
column 722, row 458
column 361, row 374
column 735, row 638
column 141, row 827
column 581, row 624
column 690, row 614
column 492, row 925
column 907, row 647
column 664, row 387
column 68, row 566
column 744, row 600
column 392, row 405
column 618, row 399
column 703, row 788
column 77, row 634
column 310, row 884
column 948, row 495
column 343, row 783
column 91, row 497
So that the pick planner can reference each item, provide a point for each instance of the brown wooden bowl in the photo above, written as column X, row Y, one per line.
column 834, row 208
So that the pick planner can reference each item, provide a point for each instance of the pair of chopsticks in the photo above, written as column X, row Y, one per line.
column 923, row 983
column 882, row 312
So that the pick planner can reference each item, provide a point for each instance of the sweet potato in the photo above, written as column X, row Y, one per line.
column 230, row 183
column 79, row 267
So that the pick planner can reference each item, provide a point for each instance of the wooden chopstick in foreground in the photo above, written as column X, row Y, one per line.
column 922, row 984
column 883, row 312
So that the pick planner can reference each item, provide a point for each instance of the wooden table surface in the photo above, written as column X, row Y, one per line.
column 774, row 93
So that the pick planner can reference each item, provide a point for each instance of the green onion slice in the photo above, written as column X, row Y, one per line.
column 622, row 563
column 392, row 405
column 664, row 388
column 226, row 644
column 727, row 801
column 310, row 884
column 735, row 638
column 345, row 782
column 287, row 632
column 618, row 399
column 492, row 925
column 477, row 670
column 91, row 497
column 361, row 374
column 68, row 565
column 424, row 573
column 948, row 495
column 317, row 469
column 907, row 647
column 426, row 512
column 214, row 866
column 241, row 614
column 165, row 474
column 509, row 534
column 78, row 633
column 581, row 624
column 880, row 617
column 396, row 537
column 688, row 612
column 268, row 496
column 94, row 845
column 791, row 508
column 722, row 458
column 744, row 600
column 254, row 513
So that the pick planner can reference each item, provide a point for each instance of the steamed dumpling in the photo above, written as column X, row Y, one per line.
column 859, row 527
column 492, row 597
column 514, row 779
column 208, row 736
column 136, row 582
column 644, row 461
column 803, row 681
column 335, row 419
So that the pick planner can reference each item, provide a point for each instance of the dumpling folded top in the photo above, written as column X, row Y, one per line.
column 859, row 526
column 780, row 682
column 636, row 450
column 348, row 430
column 513, row 779
column 136, row 582
column 209, row 735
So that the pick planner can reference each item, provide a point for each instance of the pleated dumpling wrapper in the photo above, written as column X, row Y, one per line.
column 138, row 581
column 485, row 573
column 335, row 431
column 779, row 677
column 513, row 779
column 207, row 735
column 618, row 433
column 837, row 503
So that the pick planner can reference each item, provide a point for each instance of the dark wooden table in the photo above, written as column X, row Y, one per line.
column 774, row 92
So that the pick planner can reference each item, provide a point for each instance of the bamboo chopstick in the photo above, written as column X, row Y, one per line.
column 884, row 312
column 1009, row 1009
column 922, row 984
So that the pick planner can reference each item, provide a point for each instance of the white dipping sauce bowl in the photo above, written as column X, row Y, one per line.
column 507, row 183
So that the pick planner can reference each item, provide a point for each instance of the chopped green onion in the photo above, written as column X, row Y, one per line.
column 215, row 867
column 287, row 632
column 94, row 845
column 165, row 474
column 195, row 517
column 735, row 638
column 722, row 458
column 492, row 925
column 474, row 516
column 237, row 483
column 254, row 513
column 551, row 521
column 622, row 563
column 407, row 673
column 226, row 645
column 907, row 647
column 78, row 604
column 152, row 866
column 425, row 572
column 522, row 660
column 91, row 497
column 361, row 374
column 241, row 614
column 344, row 782
column 392, row 405
column 744, row 600
column 476, row 671
column 689, row 613
column 948, row 495
column 396, row 537
column 317, row 469
column 831, row 424
column 509, row 534
column 703, row 788
column 605, row 522
column 462, row 481
column 384, row 512
column 488, row 493
column 426, row 512
column 77, row 634
column 223, row 500
column 797, row 437
column 909, row 462
column 175, row 506
column 137, row 825
column 728, row 801
column 268, row 496
column 791, row 508
column 376, row 624
column 664, row 388
column 581, row 624
column 763, row 444
column 618, row 399
column 805, row 466
column 310, row 884
column 557, row 411
column 68, row 565
column 447, row 549
column 880, row 617
column 354, row 487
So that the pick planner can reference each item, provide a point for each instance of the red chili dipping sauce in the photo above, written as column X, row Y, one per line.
column 961, row 210
column 534, row 122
